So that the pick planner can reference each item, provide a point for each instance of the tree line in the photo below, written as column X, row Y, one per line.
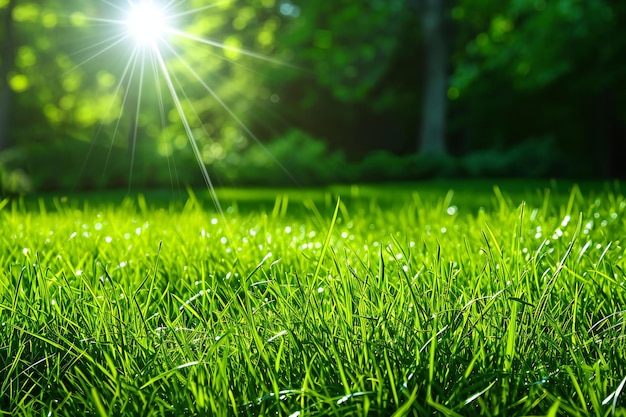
column 471, row 78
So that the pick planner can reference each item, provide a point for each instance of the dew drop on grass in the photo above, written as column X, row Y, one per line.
column 79, row 272
column 444, row 230
column 108, row 239
column 98, row 226
column 452, row 210
column 223, row 240
column 320, row 290
column 73, row 235
column 213, row 220
column 288, row 229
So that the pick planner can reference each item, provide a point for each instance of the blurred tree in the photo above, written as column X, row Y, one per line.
column 433, row 16
column 540, row 68
column 366, row 56
column 520, row 69
column 363, row 85
column 6, row 65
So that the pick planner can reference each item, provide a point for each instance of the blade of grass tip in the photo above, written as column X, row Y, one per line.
column 143, row 282
column 509, row 352
column 327, row 240
column 579, row 391
column 443, row 409
column 554, row 409
column 543, row 300
column 98, row 403
column 618, row 391
column 495, row 242
column 479, row 393
column 392, row 377
column 517, row 243
column 166, row 374
column 17, row 288
column 575, row 194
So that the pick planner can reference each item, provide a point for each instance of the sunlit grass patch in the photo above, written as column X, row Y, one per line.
column 312, row 304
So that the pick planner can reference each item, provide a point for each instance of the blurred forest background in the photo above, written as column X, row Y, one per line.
column 335, row 90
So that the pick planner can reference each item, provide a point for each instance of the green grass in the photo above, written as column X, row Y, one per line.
column 392, row 300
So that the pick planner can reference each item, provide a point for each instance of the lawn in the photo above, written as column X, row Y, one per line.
column 366, row 300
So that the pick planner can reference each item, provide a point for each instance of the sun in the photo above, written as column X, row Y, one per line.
column 146, row 22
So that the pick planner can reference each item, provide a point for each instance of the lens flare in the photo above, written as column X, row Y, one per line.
column 155, row 75
column 146, row 22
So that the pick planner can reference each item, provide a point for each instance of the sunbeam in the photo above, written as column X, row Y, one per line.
column 161, row 49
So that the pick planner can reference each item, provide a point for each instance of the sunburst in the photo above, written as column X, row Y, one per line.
column 151, row 31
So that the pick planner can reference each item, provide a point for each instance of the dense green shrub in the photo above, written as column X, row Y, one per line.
column 13, row 179
column 533, row 158
column 292, row 159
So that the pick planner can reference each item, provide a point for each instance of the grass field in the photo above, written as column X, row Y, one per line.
column 390, row 300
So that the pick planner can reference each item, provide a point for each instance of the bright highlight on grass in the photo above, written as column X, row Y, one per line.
column 389, row 304
column 146, row 22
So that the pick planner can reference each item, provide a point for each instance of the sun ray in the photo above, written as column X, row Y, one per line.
column 128, row 72
column 171, row 163
column 188, row 130
column 225, row 47
column 135, row 126
column 118, row 41
column 230, row 112
column 149, row 30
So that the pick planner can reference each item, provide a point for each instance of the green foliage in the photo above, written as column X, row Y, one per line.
column 537, row 157
column 293, row 158
column 13, row 179
column 345, row 71
column 348, row 44
column 390, row 300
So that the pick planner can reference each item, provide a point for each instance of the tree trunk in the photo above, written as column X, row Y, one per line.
column 432, row 136
column 6, row 65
